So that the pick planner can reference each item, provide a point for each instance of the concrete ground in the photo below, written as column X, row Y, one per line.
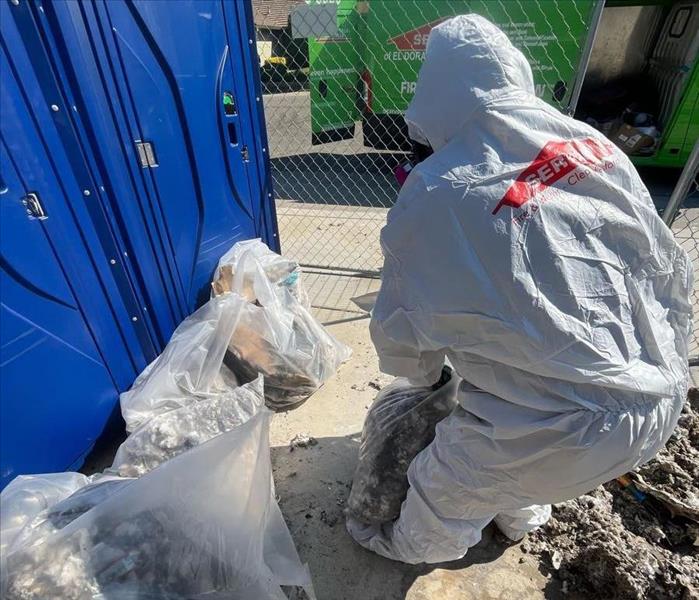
column 313, row 484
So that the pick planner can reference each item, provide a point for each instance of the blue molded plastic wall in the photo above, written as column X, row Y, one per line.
column 91, row 293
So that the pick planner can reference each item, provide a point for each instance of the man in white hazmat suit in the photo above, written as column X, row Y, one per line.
column 526, row 251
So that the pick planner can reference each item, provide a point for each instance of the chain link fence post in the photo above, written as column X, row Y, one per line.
column 682, row 216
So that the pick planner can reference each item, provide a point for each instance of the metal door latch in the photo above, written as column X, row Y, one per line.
column 35, row 209
column 146, row 154
column 245, row 154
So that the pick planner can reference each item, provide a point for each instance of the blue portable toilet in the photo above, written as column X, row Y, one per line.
column 132, row 155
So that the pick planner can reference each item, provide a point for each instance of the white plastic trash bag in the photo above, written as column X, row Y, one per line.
column 202, row 525
column 27, row 496
column 190, row 368
column 275, row 334
column 400, row 424
column 171, row 433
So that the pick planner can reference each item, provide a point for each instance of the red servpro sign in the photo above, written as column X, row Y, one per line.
column 415, row 39
column 554, row 161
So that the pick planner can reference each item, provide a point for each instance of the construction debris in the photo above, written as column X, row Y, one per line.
column 609, row 544
column 399, row 425
column 173, row 432
column 275, row 334
column 184, row 530
column 302, row 440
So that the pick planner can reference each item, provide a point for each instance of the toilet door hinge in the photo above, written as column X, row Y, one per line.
column 146, row 154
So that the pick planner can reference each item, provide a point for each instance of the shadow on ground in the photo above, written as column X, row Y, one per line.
column 362, row 180
column 313, row 485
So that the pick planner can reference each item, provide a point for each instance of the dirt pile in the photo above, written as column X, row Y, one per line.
column 609, row 544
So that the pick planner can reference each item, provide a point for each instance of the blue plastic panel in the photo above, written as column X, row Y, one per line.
column 57, row 322
column 92, row 293
column 134, row 79
column 47, row 354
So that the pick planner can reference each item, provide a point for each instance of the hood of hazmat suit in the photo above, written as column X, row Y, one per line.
column 527, row 251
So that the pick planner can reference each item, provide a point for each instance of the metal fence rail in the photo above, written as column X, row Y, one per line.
column 350, row 92
column 682, row 215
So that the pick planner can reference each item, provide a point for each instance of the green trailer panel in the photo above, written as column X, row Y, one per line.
column 335, row 65
column 550, row 36
column 683, row 129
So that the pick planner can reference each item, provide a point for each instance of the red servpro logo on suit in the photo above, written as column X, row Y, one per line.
column 555, row 161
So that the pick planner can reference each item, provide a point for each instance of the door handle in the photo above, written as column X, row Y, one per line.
column 35, row 209
column 232, row 134
column 230, row 110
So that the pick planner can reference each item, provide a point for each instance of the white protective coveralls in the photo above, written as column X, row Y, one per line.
column 527, row 251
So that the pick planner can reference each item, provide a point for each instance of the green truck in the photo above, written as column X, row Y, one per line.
column 628, row 68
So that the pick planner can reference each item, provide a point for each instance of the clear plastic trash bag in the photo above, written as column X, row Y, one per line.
column 399, row 425
column 27, row 496
column 202, row 525
column 190, row 368
column 275, row 334
column 171, row 433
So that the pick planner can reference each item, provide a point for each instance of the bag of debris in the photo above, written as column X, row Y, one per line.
column 400, row 424
column 279, row 271
column 275, row 334
column 286, row 345
column 27, row 496
column 202, row 525
column 190, row 369
column 171, row 433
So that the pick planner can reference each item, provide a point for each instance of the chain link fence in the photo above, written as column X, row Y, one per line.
column 682, row 215
column 336, row 82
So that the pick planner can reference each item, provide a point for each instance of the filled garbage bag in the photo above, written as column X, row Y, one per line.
column 27, row 496
column 202, row 525
column 286, row 345
column 400, row 424
column 190, row 368
column 275, row 334
column 171, row 433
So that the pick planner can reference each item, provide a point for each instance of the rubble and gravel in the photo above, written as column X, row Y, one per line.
column 673, row 477
column 607, row 544
column 171, row 433
column 302, row 440
column 148, row 555
column 399, row 425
